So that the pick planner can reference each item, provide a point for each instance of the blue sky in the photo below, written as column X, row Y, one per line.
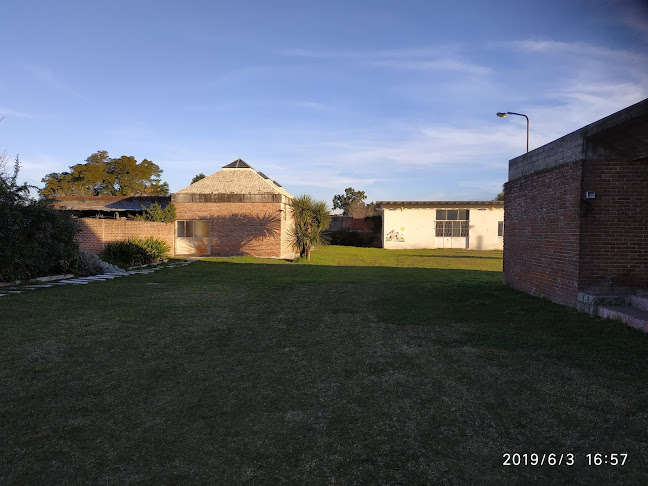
column 396, row 98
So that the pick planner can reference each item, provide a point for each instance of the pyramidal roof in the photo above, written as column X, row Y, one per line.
column 237, row 177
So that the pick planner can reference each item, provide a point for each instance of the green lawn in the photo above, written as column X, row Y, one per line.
column 366, row 366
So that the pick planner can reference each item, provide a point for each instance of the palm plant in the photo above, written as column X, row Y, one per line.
column 311, row 219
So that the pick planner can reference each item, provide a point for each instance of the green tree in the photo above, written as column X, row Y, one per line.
column 311, row 219
column 35, row 238
column 351, row 197
column 101, row 175
column 500, row 196
column 155, row 212
column 198, row 177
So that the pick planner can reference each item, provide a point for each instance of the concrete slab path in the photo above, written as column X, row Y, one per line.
column 18, row 289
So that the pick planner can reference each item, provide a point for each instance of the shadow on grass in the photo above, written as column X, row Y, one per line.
column 274, row 373
column 499, row 257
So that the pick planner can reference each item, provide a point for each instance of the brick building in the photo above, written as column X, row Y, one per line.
column 577, row 213
column 235, row 211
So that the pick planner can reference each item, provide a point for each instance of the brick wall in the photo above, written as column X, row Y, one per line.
column 258, row 229
column 556, row 241
column 254, row 228
column 95, row 233
column 614, row 227
column 541, row 240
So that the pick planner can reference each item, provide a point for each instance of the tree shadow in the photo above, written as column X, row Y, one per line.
column 246, row 234
column 458, row 256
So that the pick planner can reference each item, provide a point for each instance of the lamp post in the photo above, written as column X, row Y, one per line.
column 503, row 115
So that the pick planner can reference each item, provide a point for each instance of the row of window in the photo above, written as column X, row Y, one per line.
column 453, row 214
column 452, row 228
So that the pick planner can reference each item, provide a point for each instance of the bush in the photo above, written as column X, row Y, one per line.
column 156, row 213
column 155, row 248
column 345, row 237
column 35, row 239
column 134, row 251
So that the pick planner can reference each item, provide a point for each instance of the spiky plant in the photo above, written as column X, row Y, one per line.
column 311, row 219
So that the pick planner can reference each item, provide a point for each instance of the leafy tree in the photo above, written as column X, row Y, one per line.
column 358, row 209
column 101, row 175
column 35, row 238
column 349, row 198
column 500, row 196
column 311, row 219
column 198, row 177
column 3, row 164
column 155, row 212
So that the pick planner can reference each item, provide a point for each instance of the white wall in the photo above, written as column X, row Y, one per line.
column 417, row 227
column 483, row 228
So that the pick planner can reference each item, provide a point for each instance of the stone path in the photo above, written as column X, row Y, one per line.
column 19, row 289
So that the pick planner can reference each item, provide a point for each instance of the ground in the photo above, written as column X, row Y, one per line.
column 366, row 366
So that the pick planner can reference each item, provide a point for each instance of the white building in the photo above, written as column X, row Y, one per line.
column 475, row 225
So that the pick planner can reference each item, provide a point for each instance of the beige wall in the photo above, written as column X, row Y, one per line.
column 483, row 228
column 417, row 227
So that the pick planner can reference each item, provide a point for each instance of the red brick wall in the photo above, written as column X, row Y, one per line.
column 541, row 237
column 614, row 227
column 97, row 232
column 240, row 228
column 358, row 224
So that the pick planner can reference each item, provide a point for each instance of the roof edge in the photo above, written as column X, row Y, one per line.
column 440, row 203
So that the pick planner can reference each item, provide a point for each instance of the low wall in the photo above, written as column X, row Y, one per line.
column 96, row 233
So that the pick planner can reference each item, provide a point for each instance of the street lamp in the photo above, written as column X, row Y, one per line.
column 503, row 115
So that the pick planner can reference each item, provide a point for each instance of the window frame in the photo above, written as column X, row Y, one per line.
column 449, row 225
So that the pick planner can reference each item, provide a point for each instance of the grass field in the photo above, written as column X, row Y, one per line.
column 366, row 366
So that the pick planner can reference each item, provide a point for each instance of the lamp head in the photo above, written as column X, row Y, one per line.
column 502, row 115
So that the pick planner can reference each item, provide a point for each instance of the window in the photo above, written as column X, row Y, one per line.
column 189, row 229
column 452, row 222
column 500, row 228
column 192, row 238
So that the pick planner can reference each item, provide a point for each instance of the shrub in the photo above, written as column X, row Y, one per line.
column 134, row 251
column 156, row 213
column 155, row 248
column 35, row 239
column 345, row 237
column 124, row 254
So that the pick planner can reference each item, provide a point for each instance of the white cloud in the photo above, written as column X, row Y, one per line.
column 591, row 82
column 428, row 58
column 441, row 64
column 570, row 48
column 8, row 112
column 439, row 146
column 49, row 78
